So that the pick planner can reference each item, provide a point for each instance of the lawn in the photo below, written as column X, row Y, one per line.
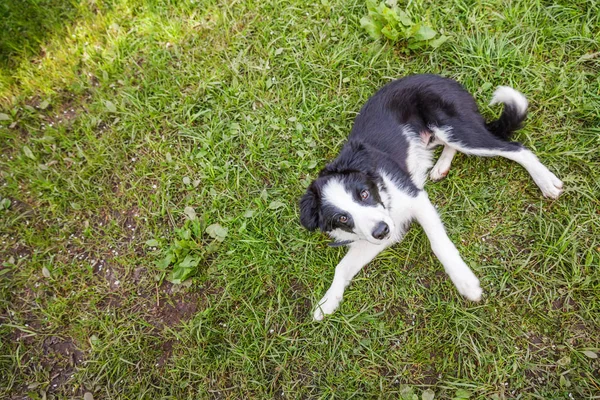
column 119, row 117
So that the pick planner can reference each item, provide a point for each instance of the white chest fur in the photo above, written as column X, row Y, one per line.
column 419, row 159
column 402, row 207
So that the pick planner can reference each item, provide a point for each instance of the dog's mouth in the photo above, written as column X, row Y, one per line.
column 378, row 242
column 348, row 242
column 340, row 244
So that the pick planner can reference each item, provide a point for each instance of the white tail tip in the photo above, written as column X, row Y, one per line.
column 508, row 95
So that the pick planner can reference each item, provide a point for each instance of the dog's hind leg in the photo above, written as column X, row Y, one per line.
column 548, row 183
column 478, row 141
column 442, row 166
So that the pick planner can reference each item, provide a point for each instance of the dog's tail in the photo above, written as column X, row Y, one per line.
column 515, row 111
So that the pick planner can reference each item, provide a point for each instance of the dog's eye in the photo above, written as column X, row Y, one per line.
column 343, row 219
column 364, row 194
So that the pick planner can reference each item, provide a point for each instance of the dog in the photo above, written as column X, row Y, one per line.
column 370, row 194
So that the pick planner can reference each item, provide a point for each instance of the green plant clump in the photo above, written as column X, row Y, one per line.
column 396, row 25
column 188, row 250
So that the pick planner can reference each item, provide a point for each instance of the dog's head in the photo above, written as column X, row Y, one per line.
column 348, row 200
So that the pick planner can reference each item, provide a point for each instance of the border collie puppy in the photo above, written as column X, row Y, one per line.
column 368, row 196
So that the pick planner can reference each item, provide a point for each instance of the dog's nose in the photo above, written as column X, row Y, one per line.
column 381, row 231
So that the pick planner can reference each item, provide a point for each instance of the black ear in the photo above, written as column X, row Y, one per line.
column 309, row 209
column 354, row 157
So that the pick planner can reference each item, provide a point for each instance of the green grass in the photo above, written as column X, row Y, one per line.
column 111, row 104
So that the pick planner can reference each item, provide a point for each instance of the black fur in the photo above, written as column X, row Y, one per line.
column 510, row 120
column 354, row 157
column 309, row 208
column 420, row 101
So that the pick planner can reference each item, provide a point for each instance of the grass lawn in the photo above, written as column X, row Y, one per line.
column 117, row 115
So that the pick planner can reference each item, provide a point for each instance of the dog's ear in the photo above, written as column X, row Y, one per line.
column 354, row 157
column 309, row 209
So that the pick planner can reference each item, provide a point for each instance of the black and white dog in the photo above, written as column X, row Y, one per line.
column 368, row 196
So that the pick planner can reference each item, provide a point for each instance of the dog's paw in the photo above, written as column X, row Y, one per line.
column 437, row 174
column 327, row 305
column 551, row 187
column 469, row 287
column 318, row 315
column 548, row 183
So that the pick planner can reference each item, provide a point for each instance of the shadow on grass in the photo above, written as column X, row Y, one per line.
column 26, row 24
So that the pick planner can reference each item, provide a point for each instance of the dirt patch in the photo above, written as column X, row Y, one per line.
column 61, row 357
column 22, row 315
column 111, row 275
column 172, row 311
column 536, row 376
column 431, row 377
column 28, row 336
column 170, row 305
column 173, row 308
column 112, row 301
column 578, row 328
column 564, row 304
column 396, row 310
column 535, row 343
column 13, row 244
column 18, row 251
column 426, row 283
column 540, row 347
column 61, row 110
column 167, row 305
column 297, row 292
column 423, row 375
column 302, row 309
column 64, row 115
column 296, row 289
column 19, row 206
column 126, row 220
column 100, row 258
column 166, row 351
column 138, row 273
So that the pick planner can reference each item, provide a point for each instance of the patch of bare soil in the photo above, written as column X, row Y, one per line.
column 564, row 304
column 61, row 357
column 173, row 305
column 423, row 374
column 536, row 376
column 166, row 351
column 536, row 344
column 173, row 308
column 298, row 294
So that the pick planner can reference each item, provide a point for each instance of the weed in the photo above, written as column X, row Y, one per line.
column 4, row 203
column 389, row 21
column 189, row 249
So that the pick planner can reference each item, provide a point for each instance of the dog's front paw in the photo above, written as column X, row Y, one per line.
column 437, row 173
column 328, row 304
column 551, row 186
column 468, row 286
column 548, row 183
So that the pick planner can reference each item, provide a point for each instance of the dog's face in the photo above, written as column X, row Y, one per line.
column 348, row 201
